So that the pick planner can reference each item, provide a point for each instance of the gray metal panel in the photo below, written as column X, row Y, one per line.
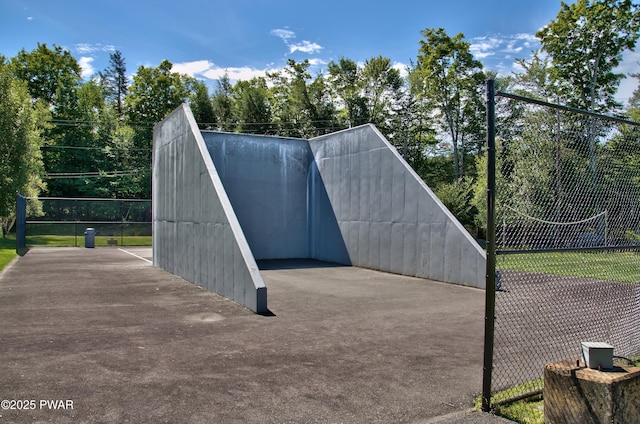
column 437, row 239
column 397, row 246
column 410, row 254
column 386, row 187
column 375, row 185
column 219, row 258
column 354, row 187
column 385, row 246
column 397, row 191
column 374, row 245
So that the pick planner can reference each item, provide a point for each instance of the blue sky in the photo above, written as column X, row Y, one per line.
column 245, row 38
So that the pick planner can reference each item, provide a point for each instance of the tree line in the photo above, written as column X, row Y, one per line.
column 63, row 136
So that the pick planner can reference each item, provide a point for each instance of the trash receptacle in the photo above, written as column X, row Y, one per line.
column 89, row 237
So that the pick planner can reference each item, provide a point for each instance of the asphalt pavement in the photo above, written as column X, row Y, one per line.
column 101, row 336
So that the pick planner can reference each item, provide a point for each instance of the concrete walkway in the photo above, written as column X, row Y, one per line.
column 126, row 342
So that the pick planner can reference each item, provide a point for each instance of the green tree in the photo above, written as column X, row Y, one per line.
column 21, row 166
column 73, row 151
column 53, row 78
column 537, row 79
column 620, row 181
column 346, row 84
column 450, row 82
column 326, row 115
column 122, row 171
column 49, row 73
column 368, row 94
column 222, row 104
column 202, row 107
column 412, row 134
column 381, row 88
column 301, row 107
column 252, row 106
column 154, row 93
column 115, row 82
column 585, row 43
column 458, row 198
column 621, row 175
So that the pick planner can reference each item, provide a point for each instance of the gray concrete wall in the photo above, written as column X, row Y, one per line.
column 196, row 233
column 266, row 181
column 222, row 200
column 278, row 196
column 388, row 218
column 326, row 241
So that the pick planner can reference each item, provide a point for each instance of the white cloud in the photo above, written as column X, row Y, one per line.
column 192, row 68
column 317, row 62
column 503, row 46
column 526, row 38
column 483, row 47
column 86, row 48
column 517, row 68
column 87, row 68
column 29, row 18
column 285, row 34
column 205, row 69
column 402, row 68
column 235, row 74
column 305, row 47
column 480, row 54
column 512, row 48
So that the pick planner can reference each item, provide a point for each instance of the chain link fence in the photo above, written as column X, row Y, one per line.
column 567, row 239
column 55, row 221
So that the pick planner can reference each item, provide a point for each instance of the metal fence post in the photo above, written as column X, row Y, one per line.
column 490, row 281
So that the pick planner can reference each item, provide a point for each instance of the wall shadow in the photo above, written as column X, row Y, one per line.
column 294, row 263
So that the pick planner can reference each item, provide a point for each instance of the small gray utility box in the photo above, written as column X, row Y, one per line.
column 597, row 355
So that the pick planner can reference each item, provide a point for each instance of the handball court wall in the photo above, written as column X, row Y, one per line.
column 221, row 201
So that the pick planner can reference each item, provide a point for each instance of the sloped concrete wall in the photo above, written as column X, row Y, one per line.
column 196, row 233
column 388, row 218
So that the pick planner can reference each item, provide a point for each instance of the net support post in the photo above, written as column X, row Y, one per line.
column 490, row 285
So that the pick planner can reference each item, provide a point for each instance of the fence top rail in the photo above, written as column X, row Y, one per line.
column 567, row 108
column 92, row 199
column 631, row 247
column 87, row 222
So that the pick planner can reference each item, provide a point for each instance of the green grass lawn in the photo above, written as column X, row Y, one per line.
column 526, row 411
column 619, row 266
column 7, row 251
column 53, row 240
